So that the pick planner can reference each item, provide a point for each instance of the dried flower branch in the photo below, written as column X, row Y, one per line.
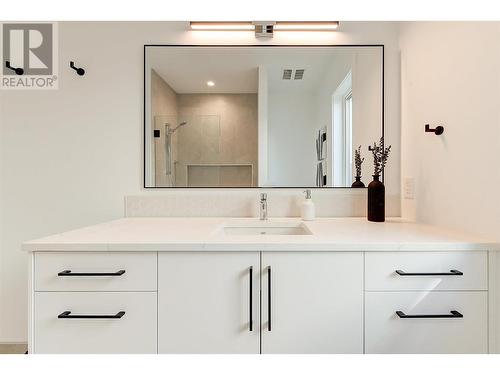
column 380, row 156
column 358, row 161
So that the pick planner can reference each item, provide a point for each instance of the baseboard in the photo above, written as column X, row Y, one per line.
column 13, row 348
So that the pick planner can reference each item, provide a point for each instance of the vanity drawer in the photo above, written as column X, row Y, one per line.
column 386, row 332
column 134, row 332
column 417, row 271
column 95, row 272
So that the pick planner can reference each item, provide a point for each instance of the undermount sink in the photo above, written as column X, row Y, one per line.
column 258, row 228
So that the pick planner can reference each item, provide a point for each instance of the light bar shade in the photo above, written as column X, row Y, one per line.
column 223, row 26
column 306, row 26
column 276, row 26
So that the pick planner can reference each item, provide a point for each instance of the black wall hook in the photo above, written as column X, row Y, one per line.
column 19, row 71
column 438, row 131
column 79, row 71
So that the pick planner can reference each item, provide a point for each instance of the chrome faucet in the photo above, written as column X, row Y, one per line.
column 263, row 206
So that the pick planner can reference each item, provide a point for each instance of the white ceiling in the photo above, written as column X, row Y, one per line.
column 235, row 69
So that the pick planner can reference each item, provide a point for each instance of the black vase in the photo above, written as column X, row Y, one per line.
column 358, row 183
column 376, row 200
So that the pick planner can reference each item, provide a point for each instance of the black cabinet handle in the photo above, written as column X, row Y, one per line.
column 451, row 273
column 269, row 298
column 453, row 314
column 67, row 315
column 250, row 276
column 71, row 273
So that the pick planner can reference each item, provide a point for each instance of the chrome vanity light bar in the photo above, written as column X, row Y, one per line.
column 265, row 29
column 221, row 26
column 306, row 26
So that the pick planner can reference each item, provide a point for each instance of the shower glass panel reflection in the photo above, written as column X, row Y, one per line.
column 165, row 146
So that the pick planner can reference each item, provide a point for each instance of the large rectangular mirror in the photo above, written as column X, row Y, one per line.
column 260, row 116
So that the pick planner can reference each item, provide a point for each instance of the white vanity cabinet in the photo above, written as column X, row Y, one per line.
column 312, row 302
column 426, row 302
column 429, row 326
column 259, row 302
column 208, row 302
column 95, row 322
column 89, row 302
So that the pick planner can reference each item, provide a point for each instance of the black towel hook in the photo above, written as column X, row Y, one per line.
column 438, row 131
column 19, row 71
column 79, row 71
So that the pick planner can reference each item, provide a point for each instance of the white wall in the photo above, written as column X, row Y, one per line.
column 451, row 77
column 68, row 157
column 292, row 133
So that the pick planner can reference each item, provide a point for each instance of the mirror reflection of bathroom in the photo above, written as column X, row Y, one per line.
column 202, row 138
column 260, row 117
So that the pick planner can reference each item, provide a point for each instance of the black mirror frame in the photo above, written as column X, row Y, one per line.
column 146, row 46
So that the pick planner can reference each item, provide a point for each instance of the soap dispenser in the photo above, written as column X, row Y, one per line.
column 307, row 210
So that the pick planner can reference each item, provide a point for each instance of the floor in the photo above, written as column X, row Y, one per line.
column 13, row 348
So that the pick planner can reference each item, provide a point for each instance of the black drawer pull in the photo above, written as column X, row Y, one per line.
column 71, row 273
column 451, row 273
column 250, row 320
column 453, row 314
column 67, row 315
column 269, row 298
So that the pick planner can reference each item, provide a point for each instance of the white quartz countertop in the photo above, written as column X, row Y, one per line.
column 207, row 234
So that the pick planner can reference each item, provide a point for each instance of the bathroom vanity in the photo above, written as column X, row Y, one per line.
column 270, row 116
column 221, row 285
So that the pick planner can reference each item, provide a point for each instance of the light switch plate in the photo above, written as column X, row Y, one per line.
column 409, row 188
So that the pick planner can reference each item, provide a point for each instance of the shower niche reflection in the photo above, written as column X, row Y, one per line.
column 253, row 116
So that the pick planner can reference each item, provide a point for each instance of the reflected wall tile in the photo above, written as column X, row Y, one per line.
column 203, row 176
column 229, row 139
column 236, row 176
